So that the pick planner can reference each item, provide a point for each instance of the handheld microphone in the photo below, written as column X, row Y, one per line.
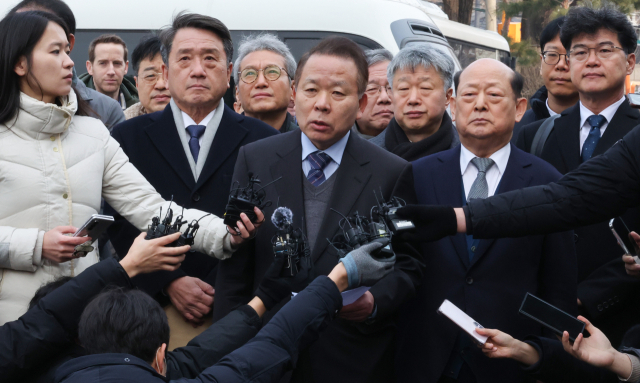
column 244, row 200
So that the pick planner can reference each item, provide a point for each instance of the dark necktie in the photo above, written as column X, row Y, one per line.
column 480, row 188
column 195, row 131
column 589, row 145
column 318, row 161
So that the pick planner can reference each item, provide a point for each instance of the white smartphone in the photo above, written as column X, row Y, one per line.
column 464, row 321
column 621, row 232
column 94, row 226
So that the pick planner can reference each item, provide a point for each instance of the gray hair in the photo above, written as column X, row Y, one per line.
column 375, row 56
column 422, row 55
column 264, row 42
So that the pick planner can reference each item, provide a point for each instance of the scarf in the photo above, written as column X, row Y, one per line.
column 396, row 140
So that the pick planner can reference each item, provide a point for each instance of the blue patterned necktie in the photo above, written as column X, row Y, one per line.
column 480, row 187
column 589, row 145
column 195, row 131
column 318, row 161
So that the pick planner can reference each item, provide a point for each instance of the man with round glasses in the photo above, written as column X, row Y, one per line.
column 558, row 92
column 264, row 73
column 152, row 89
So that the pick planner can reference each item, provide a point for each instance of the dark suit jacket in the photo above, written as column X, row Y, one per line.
column 152, row 143
column 604, row 287
column 490, row 287
column 346, row 351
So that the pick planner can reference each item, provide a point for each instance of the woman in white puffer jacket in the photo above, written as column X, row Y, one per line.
column 56, row 164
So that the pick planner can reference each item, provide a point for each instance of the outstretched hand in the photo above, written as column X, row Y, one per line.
column 595, row 350
column 275, row 287
column 147, row 256
column 503, row 345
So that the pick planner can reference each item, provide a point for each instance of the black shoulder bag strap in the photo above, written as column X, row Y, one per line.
column 541, row 135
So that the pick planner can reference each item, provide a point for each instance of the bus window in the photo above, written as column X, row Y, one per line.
column 468, row 53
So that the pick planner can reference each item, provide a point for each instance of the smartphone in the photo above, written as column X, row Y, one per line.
column 621, row 232
column 94, row 227
column 551, row 317
column 462, row 320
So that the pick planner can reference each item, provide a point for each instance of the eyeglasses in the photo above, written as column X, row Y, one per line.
column 375, row 89
column 270, row 72
column 552, row 58
column 151, row 78
column 603, row 52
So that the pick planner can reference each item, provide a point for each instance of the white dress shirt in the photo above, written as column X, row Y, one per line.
column 335, row 151
column 551, row 112
column 585, row 113
column 494, row 174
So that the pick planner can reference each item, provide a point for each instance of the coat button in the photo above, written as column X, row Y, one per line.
column 55, row 149
column 65, row 196
column 196, row 197
column 127, row 360
column 599, row 307
column 469, row 281
column 52, row 138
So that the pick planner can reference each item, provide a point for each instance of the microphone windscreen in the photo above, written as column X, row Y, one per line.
column 281, row 216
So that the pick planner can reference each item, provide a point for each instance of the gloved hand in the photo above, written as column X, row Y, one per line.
column 433, row 222
column 274, row 288
column 363, row 269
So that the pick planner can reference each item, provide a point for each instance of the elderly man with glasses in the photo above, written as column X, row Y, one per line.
column 558, row 92
column 264, row 73
column 152, row 89
column 188, row 152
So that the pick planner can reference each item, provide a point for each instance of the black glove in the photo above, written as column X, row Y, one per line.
column 274, row 287
column 433, row 222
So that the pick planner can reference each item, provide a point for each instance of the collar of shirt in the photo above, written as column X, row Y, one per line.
column 335, row 151
column 494, row 174
column 551, row 112
column 608, row 112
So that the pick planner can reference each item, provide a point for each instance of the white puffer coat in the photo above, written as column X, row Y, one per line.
column 54, row 167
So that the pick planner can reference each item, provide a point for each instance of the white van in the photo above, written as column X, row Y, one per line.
column 390, row 24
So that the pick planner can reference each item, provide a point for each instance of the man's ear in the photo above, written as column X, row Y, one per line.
column 159, row 362
column 135, row 78
column 362, row 106
column 229, row 71
column 126, row 67
column 165, row 75
column 521, row 108
column 452, row 108
column 631, row 63
column 448, row 96
column 89, row 68
column 72, row 41
column 22, row 67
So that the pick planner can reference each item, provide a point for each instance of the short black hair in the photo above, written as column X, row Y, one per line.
column 148, row 47
column 57, row 7
column 551, row 31
column 587, row 20
column 47, row 289
column 197, row 21
column 517, row 82
column 339, row 47
column 123, row 321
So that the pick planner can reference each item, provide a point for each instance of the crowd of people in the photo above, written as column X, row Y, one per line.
column 505, row 201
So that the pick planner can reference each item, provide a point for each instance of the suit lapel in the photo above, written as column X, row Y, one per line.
column 567, row 135
column 447, row 186
column 164, row 136
column 623, row 121
column 289, row 167
column 228, row 136
column 350, row 182
column 515, row 177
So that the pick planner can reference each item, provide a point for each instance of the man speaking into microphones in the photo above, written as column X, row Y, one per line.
column 324, row 167
column 486, row 279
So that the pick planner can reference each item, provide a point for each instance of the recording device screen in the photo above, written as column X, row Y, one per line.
column 551, row 317
column 621, row 232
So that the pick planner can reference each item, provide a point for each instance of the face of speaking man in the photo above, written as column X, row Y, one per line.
column 485, row 108
column 197, row 73
column 326, row 99
column 152, row 89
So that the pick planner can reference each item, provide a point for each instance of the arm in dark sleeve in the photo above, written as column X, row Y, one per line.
column 558, row 273
column 234, row 281
column 43, row 331
column 274, row 350
column 400, row 285
column 220, row 339
column 557, row 366
column 601, row 188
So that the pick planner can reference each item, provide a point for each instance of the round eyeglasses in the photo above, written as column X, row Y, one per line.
column 270, row 72
column 151, row 78
column 552, row 58
column 602, row 52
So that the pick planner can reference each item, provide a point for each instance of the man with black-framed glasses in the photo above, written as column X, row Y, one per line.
column 153, row 91
column 558, row 92
column 263, row 75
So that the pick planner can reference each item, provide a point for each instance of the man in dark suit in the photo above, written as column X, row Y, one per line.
column 325, row 167
column 188, row 152
column 485, row 278
column 605, row 292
